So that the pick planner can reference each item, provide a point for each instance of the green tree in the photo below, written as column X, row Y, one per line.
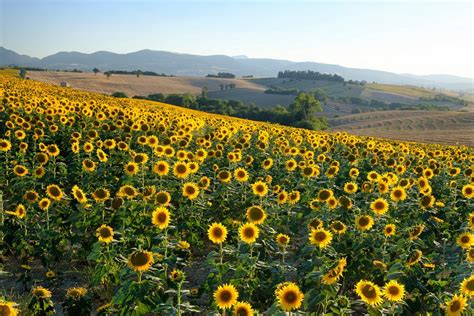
column 305, row 106
column 22, row 73
column 96, row 70
column 108, row 74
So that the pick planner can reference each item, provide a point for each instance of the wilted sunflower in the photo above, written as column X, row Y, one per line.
column 190, row 190
column 467, row 286
column 369, row 292
column 249, row 233
column 333, row 275
column 394, row 291
column 364, row 222
column 260, row 188
column 414, row 257
column 88, row 165
column 105, row 233
column 320, row 237
column 226, row 296
column 20, row 170
column 456, row 306
column 54, row 192
column 41, row 292
column 76, row 293
column 338, row 227
column 101, row 195
column 465, row 240
column 127, row 191
column 162, row 198
column 79, row 195
column 161, row 217
column 289, row 296
column 379, row 206
column 140, row 260
column 416, row 231
column 243, row 309
column 256, row 215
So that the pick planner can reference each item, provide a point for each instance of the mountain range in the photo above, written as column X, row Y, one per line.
column 195, row 65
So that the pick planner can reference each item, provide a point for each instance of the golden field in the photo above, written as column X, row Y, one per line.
column 161, row 210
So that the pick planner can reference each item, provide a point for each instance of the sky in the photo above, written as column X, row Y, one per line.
column 419, row 37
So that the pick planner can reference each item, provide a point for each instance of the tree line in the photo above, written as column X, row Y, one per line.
column 309, row 75
column 300, row 113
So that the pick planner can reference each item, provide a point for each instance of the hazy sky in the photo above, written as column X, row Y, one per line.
column 420, row 37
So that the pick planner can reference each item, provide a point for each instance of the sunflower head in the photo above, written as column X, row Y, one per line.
column 226, row 296
column 140, row 260
column 456, row 306
column 249, row 233
column 217, row 233
column 394, row 291
column 243, row 309
column 105, row 234
column 320, row 237
column 41, row 292
column 369, row 292
column 289, row 296
column 256, row 215
column 160, row 217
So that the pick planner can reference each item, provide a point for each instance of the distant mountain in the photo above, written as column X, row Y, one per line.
column 196, row 65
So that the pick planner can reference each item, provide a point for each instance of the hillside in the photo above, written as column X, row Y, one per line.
column 195, row 65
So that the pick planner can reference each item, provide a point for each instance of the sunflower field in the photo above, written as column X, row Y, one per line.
column 130, row 207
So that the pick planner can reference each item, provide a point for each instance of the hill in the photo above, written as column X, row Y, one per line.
column 196, row 65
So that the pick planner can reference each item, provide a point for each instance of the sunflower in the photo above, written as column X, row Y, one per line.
column 456, row 306
column 181, row 170
column 379, row 206
column 289, row 296
column 320, row 237
column 131, row 168
column 8, row 308
column 414, row 257
column 260, row 188
column 163, row 198
column 52, row 150
column 101, row 195
column 105, row 233
column 394, row 291
column 470, row 220
column 161, row 168
column 241, row 175
column 41, row 158
column 41, row 292
column 470, row 255
column 282, row 240
column 177, row 275
column 427, row 201
column 217, row 233
column 468, row 191
column 249, row 233
column 256, row 215
column 30, row 196
column 282, row 197
column 364, row 222
column 243, row 309
column 5, row 145
column 140, row 260
column 379, row 264
column 416, row 231
column 350, row 187
column 20, row 170
column 204, row 183
column 467, row 286
column 465, row 240
column 79, row 195
column 369, row 292
column 226, row 296
column 398, row 194
column 44, row 203
column 38, row 172
column 54, row 192
column 389, row 230
column 324, row 195
column 190, row 190
column 224, row 176
column 127, row 191
column 161, row 217
column 88, row 165
column 333, row 275
column 76, row 293
column 50, row 274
